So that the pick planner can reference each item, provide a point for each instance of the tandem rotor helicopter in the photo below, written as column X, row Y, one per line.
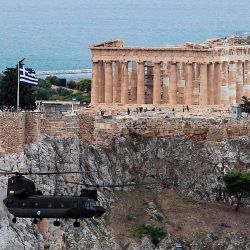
column 25, row 201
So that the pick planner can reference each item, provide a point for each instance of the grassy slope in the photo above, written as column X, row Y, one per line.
column 184, row 218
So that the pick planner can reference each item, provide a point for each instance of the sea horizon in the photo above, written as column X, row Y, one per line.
column 55, row 35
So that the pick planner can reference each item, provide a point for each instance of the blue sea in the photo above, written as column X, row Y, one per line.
column 55, row 34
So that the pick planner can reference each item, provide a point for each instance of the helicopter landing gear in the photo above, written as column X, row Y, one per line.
column 14, row 220
column 56, row 223
column 76, row 224
column 35, row 221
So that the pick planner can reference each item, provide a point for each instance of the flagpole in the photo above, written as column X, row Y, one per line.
column 18, row 85
column 18, row 82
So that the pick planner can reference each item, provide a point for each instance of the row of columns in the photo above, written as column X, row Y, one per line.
column 203, row 84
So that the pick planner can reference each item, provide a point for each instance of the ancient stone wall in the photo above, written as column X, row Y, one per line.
column 86, row 126
column 12, row 132
column 32, row 127
column 196, row 128
column 56, row 124
column 18, row 129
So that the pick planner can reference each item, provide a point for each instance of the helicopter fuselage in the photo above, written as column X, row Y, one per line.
column 46, row 206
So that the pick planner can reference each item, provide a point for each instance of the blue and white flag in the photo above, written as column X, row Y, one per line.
column 27, row 76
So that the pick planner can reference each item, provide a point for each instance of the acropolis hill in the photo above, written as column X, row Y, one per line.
column 208, row 78
column 157, row 115
column 216, row 72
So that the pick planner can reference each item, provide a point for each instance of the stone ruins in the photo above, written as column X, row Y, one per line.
column 216, row 72
column 20, row 129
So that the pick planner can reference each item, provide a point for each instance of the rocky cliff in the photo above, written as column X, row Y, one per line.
column 193, row 169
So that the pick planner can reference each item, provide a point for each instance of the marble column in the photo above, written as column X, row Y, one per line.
column 165, row 84
column 133, row 83
column 181, row 83
column 101, row 82
column 149, row 82
column 196, row 84
column 95, row 83
column 224, row 84
column 232, row 83
column 189, row 84
column 246, row 88
column 108, row 83
column 203, row 85
column 157, row 84
column 141, row 83
column 117, row 82
column 217, row 83
column 173, row 84
column 124, row 84
column 239, row 81
column 210, row 84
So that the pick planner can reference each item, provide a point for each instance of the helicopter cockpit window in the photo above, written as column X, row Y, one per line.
column 75, row 204
column 86, row 204
column 89, row 204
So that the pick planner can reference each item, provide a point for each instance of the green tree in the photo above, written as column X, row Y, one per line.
column 44, row 83
column 245, row 105
column 43, row 90
column 8, row 91
column 53, row 80
column 71, row 84
column 64, row 92
column 85, row 85
column 238, row 185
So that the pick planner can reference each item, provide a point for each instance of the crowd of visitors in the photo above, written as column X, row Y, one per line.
column 141, row 110
column 12, row 109
column 7, row 109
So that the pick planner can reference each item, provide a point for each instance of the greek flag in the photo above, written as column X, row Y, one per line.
column 27, row 76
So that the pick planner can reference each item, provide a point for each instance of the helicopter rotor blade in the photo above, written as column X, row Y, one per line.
column 4, row 170
column 115, row 185
column 63, row 172
column 6, row 173
column 46, row 173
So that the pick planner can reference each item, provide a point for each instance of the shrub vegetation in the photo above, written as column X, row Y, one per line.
column 238, row 184
column 156, row 234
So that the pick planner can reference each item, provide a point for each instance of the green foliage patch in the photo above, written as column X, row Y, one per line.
column 245, row 105
column 156, row 234
column 84, row 85
column 201, row 236
column 238, row 184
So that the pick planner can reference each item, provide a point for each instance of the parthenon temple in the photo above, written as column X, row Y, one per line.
column 216, row 72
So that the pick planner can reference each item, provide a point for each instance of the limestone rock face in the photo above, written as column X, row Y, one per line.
column 146, row 244
column 230, row 242
column 195, row 168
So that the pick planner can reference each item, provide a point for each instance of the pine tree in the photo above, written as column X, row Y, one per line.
column 238, row 185
column 8, row 91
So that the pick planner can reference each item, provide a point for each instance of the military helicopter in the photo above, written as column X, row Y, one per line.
column 24, row 200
